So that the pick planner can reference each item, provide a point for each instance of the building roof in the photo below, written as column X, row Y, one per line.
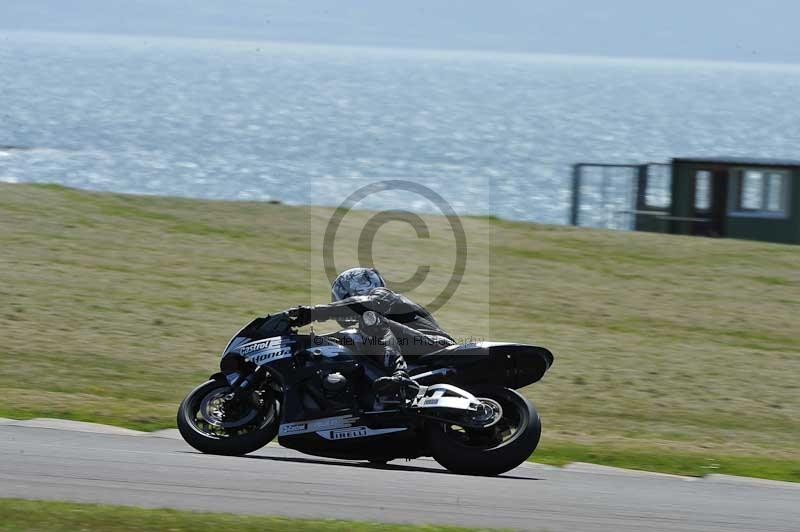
column 739, row 161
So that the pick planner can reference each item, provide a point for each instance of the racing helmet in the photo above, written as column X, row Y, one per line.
column 355, row 282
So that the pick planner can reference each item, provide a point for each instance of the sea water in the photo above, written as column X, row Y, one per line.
column 491, row 133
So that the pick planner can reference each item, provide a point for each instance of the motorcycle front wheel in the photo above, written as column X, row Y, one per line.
column 212, row 424
column 494, row 450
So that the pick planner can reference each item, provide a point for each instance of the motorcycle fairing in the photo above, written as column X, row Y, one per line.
column 267, row 350
column 356, row 432
column 371, row 436
column 484, row 363
column 315, row 425
column 335, row 428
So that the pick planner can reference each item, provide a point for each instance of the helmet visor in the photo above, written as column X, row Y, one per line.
column 355, row 282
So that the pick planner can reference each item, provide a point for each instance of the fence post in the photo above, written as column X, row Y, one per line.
column 576, row 193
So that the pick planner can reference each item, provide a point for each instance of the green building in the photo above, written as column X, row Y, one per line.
column 756, row 199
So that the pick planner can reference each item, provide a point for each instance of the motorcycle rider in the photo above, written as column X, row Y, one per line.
column 387, row 319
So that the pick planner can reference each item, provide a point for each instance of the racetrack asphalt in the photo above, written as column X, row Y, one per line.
column 44, row 459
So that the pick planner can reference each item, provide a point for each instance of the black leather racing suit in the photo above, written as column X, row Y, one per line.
column 404, row 327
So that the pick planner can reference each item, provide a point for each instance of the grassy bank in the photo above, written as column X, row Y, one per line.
column 17, row 514
column 668, row 349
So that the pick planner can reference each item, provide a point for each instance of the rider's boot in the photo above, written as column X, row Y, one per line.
column 388, row 386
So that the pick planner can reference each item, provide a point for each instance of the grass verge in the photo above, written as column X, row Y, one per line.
column 668, row 349
column 671, row 461
column 19, row 515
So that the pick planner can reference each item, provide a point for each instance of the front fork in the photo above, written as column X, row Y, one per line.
column 240, row 385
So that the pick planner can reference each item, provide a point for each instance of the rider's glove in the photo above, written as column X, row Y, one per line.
column 299, row 316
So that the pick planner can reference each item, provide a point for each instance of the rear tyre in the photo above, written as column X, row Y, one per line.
column 492, row 451
column 211, row 426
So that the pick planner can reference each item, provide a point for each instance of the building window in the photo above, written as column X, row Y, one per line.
column 702, row 190
column 762, row 192
column 776, row 192
column 752, row 187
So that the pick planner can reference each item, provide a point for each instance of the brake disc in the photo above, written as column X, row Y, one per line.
column 215, row 410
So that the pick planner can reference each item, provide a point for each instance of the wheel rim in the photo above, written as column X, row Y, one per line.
column 512, row 422
column 214, row 415
column 213, row 411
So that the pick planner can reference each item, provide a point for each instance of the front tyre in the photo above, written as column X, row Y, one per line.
column 492, row 451
column 210, row 423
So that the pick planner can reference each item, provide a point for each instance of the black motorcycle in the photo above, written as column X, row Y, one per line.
column 314, row 392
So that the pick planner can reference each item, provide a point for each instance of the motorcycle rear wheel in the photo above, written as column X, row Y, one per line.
column 247, row 430
column 492, row 451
